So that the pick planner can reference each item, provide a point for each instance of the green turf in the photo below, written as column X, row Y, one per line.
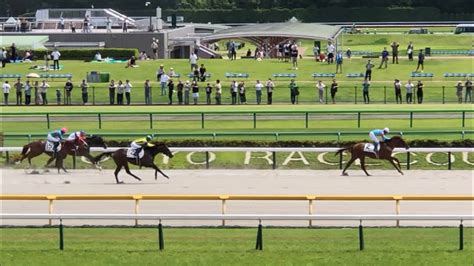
column 388, row 246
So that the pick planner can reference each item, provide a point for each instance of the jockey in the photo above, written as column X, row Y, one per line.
column 374, row 134
column 55, row 137
column 77, row 136
column 138, row 144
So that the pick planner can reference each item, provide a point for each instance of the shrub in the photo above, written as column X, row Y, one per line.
column 88, row 54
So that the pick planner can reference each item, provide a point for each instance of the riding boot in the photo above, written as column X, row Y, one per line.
column 376, row 150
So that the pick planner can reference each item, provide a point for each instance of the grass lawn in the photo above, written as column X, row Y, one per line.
column 185, row 246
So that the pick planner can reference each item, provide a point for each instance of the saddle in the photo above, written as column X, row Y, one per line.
column 131, row 153
column 49, row 146
column 369, row 147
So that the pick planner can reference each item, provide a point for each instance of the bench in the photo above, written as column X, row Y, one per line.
column 421, row 75
column 283, row 75
column 10, row 76
column 55, row 76
column 207, row 76
column 176, row 75
column 355, row 75
column 236, row 75
column 323, row 75
column 454, row 75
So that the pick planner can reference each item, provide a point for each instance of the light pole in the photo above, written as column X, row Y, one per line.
column 150, row 28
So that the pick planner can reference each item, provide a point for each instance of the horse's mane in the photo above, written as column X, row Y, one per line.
column 395, row 138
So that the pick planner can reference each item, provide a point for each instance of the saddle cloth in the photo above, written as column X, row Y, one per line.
column 49, row 147
column 369, row 147
column 131, row 153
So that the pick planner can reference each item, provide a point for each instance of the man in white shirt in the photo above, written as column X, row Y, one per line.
column 258, row 91
column 270, row 87
column 409, row 87
column 193, row 60
column 128, row 90
column 43, row 91
column 55, row 55
column 108, row 24
column 6, row 91
column 320, row 86
column 163, row 82
column 331, row 50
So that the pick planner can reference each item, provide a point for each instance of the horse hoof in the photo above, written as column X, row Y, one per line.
column 344, row 174
column 120, row 182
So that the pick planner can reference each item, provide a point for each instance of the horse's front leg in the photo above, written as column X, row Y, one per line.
column 362, row 165
column 158, row 170
column 391, row 160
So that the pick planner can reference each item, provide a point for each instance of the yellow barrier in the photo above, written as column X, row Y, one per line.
column 225, row 198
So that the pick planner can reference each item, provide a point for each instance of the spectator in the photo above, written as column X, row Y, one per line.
column 6, row 91
column 55, row 55
column 124, row 26
column 409, row 87
column 108, row 25
column 160, row 72
column 233, row 91
column 202, row 73
column 208, row 93
column 27, row 93
column 294, row 92
column 348, row 53
column 270, row 87
column 171, row 73
column 258, row 91
column 320, row 87
column 331, row 50
column 249, row 53
column 47, row 57
column 365, row 91
column 3, row 57
column 368, row 70
column 73, row 27
column 38, row 99
column 28, row 57
column 316, row 52
column 280, row 52
column 459, row 88
column 147, row 92
column 419, row 92
column 294, row 56
column 132, row 62
column 61, row 23
column 58, row 96
column 398, row 91
column 142, row 56
column 243, row 98
column 322, row 57
column 286, row 49
column 196, row 74
column 410, row 50
column 421, row 59
column 68, row 88
column 193, row 61
column 333, row 91
column 98, row 57
column 44, row 90
column 128, row 91
column 18, row 89
column 384, row 58
column 170, row 91
column 180, row 88
column 154, row 48
column 232, row 51
column 120, row 91
column 468, row 86
column 85, row 27
column 218, row 87
column 339, row 61
column 195, row 90
column 163, row 82
column 13, row 52
column 187, row 89
column 395, row 46
column 112, row 87
column 85, row 94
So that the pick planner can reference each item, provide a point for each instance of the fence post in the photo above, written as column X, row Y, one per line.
column 411, row 119
column 74, row 161
column 449, row 160
column 361, row 236
column 7, row 160
column 254, row 120
column 355, row 94
column 358, row 119
column 47, row 121
column 151, row 121
column 306, row 120
column 259, row 244
column 385, row 94
column 202, row 120
column 443, row 95
column 50, row 208
column 137, row 207
column 463, row 122
column 61, row 235
column 161, row 241
column 29, row 137
column 408, row 160
column 340, row 160
column 326, row 91
column 207, row 160
column 274, row 163
column 93, row 95
column 100, row 120
column 397, row 208
column 223, row 207
column 461, row 236
column 310, row 209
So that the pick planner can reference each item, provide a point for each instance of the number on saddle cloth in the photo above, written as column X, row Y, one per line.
column 369, row 147
column 131, row 153
column 49, row 147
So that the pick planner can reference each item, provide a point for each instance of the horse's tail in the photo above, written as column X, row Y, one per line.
column 99, row 157
column 24, row 153
column 343, row 149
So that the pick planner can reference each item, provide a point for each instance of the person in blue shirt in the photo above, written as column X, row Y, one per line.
column 384, row 58
column 55, row 137
column 375, row 134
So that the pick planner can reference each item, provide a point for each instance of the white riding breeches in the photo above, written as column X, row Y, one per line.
column 135, row 146
column 53, row 139
column 374, row 138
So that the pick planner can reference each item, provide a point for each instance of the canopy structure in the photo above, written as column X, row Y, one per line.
column 24, row 41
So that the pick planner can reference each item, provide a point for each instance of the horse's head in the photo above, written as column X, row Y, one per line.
column 398, row 142
column 96, row 141
column 161, row 148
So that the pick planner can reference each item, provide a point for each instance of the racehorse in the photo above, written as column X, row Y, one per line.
column 36, row 148
column 385, row 153
column 121, row 159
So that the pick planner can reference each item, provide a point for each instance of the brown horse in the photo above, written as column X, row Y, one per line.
column 36, row 148
column 385, row 153
column 121, row 159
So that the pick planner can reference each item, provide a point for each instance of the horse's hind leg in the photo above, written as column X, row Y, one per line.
column 391, row 160
column 117, row 170
column 348, row 164
column 158, row 170
column 127, row 169
column 362, row 165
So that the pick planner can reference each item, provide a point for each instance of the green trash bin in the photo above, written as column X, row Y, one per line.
column 104, row 76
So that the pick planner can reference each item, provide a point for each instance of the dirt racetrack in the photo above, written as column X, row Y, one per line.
column 249, row 182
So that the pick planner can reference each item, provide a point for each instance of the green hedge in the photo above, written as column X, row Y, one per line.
column 88, row 54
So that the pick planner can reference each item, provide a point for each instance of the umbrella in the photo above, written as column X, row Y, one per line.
column 33, row 75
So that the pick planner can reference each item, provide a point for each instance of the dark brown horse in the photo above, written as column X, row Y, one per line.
column 36, row 148
column 121, row 160
column 385, row 153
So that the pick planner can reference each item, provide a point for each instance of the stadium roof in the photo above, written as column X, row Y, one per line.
column 296, row 30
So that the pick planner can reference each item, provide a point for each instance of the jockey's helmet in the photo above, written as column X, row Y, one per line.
column 386, row 130
column 82, row 133
column 64, row 130
column 149, row 137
